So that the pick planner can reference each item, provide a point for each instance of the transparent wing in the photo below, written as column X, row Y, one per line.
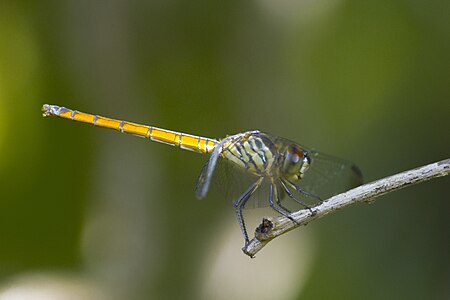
column 205, row 177
column 229, row 182
column 329, row 175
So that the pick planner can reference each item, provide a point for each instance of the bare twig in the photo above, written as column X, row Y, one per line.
column 270, row 228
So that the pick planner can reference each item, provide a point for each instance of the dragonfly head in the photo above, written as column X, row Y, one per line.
column 296, row 162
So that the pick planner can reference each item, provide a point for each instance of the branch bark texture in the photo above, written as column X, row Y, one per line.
column 270, row 228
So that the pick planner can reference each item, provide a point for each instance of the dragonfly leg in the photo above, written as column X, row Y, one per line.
column 309, row 194
column 278, row 202
column 288, row 192
column 239, row 205
column 271, row 203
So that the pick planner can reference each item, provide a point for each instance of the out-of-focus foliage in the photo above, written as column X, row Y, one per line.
column 91, row 212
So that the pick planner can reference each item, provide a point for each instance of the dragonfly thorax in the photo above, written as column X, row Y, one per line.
column 264, row 155
column 253, row 151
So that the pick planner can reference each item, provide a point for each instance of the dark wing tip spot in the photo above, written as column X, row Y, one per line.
column 357, row 171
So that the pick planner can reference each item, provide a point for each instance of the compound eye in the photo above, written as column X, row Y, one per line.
column 293, row 162
column 295, row 154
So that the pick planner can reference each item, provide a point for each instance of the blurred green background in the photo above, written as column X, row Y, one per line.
column 87, row 213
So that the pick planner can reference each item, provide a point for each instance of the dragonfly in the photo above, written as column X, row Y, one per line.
column 288, row 169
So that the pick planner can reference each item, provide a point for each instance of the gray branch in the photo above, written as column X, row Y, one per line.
column 270, row 228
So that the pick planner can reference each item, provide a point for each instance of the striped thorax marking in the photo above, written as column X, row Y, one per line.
column 251, row 152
